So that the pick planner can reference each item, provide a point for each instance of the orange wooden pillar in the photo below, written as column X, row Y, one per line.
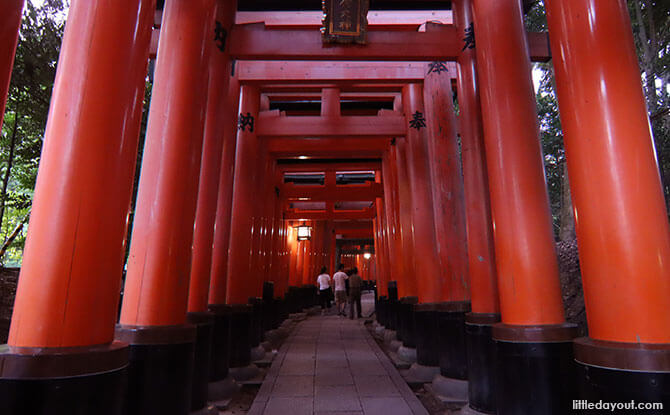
column 61, row 350
column 426, row 263
column 622, row 224
column 219, row 272
column 216, row 123
column 153, row 316
column 481, row 255
column 530, row 294
column 408, row 284
column 242, row 283
column 442, row 323
column 10, row 23
column 389, row 182
column 447, row 185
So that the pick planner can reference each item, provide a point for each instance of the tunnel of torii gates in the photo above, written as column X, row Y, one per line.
column 256, row 128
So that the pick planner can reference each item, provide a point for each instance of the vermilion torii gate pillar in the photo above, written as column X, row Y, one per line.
column 241, row 282
column 217, row 121
column 219, row 268
column 533, row 342
column 61, row 357
column 10, row 23
column 153, row 317
column 423, row 242
column 441, row 324
column 622, row 225
column 481, row 255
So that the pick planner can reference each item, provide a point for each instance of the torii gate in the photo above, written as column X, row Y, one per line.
column 65, row 310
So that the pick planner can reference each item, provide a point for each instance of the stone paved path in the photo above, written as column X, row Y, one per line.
column 331, row 366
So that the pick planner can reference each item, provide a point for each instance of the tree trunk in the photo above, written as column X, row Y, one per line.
column 13, row 235
column 567, row 216
column 8, row 171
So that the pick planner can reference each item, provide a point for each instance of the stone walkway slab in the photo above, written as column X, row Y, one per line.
column 332, row 365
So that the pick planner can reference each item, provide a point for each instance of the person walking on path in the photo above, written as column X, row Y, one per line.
column 355, row 286
column 323, row 281
column 339, row 279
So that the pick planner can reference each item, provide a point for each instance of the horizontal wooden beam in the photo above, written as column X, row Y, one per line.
column 315, row 95
column 353, row 224
column 438, row 43
column 328, row 167
column 339, row 72
column 394, row 88
column 328, row 148
column 356, row 233
column 272, row 125
column 379, row 18
column 341, row 193
column 335, row 215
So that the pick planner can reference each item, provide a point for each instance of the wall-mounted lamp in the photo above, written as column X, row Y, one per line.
column 367, row 255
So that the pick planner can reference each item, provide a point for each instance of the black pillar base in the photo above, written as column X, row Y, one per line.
column 405, row 331
column 160, row 372
column 293, row 300
column 204, row 326
column 623, row 372
column 481, row 361
column 220, row 349
column 271, row 316
column 256, row 321
column 451, row 339
column 380, row 310
column 240, row 335
column 534, row 369
column 63, row 381
column 426, row 329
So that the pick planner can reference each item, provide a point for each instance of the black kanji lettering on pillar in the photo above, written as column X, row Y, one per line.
column 469, row 38
column 220, row 36
column 437, row 67
column 417, row 120
column 246, row 120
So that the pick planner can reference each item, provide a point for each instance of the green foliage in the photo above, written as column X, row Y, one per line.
column 651, row 30
column 26, row 115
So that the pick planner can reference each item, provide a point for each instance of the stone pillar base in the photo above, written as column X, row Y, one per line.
column 222, row 390
column 208, row 410
column 257, row 353
column 449, row 390
column 468, row 410
column 418, row 374
column 245, row 373
column 407, row 354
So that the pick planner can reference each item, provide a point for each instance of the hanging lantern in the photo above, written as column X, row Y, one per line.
column 304, row 233
column 367, row 255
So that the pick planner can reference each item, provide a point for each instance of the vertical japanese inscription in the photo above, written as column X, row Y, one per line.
column 417, row 121
column 469, row 38
column 220, row 35
column 245, row 121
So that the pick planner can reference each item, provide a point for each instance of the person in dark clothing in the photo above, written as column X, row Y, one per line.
column 355, row 286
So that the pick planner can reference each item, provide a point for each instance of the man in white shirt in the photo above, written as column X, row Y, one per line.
column 323, row 280
column 340, row 279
